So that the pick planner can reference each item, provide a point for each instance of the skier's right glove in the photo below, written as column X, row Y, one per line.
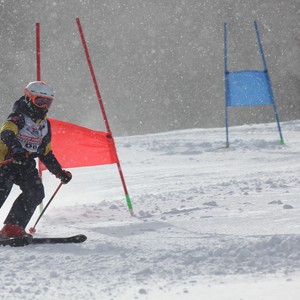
column 19, row 155
column 64, row 176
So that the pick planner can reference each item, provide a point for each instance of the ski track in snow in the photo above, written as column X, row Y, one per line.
column 206, row 218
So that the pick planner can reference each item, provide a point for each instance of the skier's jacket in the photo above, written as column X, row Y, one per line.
column 33, row 135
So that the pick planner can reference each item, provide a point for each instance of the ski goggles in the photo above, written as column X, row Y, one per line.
column 42, row 102
column 39, row 101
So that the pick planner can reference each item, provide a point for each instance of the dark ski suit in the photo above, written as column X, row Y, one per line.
column 24, row 128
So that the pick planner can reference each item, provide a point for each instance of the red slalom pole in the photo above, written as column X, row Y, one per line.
column 38, row 78
column 6, row 162
column 38, row 52
column 38, row 67
column 109, row 133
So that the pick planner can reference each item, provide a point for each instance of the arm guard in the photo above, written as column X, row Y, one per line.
column 51, row 163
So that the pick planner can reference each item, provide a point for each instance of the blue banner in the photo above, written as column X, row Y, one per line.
column 248, row 88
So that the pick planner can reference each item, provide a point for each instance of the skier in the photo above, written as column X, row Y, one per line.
column 26, row 135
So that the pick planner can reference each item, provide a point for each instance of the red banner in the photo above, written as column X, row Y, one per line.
column 76, row 146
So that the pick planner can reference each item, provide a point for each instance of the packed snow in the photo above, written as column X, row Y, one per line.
column 210, row 222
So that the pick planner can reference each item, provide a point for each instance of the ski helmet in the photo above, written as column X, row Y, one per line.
column 40, row 93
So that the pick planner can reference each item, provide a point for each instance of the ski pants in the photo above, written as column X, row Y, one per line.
column 32, row 191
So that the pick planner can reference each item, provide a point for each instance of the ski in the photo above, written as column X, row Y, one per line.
column 28, row 240
column 79, row 238
column 19, row 241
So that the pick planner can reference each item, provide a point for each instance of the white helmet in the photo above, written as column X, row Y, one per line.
column 39, row 89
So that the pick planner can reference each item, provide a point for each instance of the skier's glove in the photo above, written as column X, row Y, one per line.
column 19, row 155
column 64, row 176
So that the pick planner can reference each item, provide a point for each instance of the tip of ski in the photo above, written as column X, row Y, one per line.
column 75, row 239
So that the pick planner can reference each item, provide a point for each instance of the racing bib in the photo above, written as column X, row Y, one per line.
column 32, row 134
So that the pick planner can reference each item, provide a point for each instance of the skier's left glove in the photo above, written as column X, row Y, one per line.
column 64, row 176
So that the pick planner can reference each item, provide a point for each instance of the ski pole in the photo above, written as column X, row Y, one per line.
column 6, row 162
column 32, row 229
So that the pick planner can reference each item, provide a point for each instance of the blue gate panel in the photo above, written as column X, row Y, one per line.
column 248, row 88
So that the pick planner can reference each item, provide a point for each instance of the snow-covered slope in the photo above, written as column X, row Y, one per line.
column 210, row 222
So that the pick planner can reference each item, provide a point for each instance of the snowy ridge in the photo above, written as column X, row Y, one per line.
column 209, row 221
